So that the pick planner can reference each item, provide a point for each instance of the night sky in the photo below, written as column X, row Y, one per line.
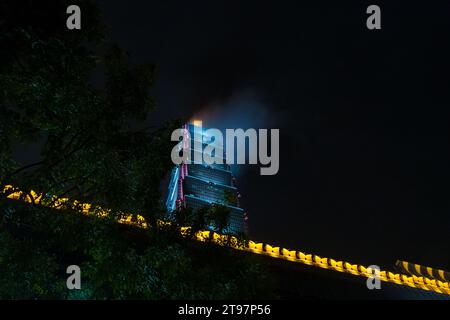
column 363, row 115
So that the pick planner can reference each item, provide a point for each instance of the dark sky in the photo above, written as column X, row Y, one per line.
column 363, row 115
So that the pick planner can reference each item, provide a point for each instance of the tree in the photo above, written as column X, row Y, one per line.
column 215, row 215
column 220, row 217
column 230, row 197
column 95, row 147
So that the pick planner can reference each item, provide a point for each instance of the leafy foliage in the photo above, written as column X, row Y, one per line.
column 94, row 147
column 116, row 261
column 215, row 216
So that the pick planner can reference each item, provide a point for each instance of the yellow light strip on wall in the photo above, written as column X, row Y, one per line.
column 260, row 248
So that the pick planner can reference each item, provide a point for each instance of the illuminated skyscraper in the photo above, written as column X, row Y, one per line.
column 198, row 184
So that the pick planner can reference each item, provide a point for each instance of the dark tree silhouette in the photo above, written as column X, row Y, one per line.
column 94, row 147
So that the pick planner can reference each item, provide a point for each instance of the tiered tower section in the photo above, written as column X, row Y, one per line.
column 197, row 184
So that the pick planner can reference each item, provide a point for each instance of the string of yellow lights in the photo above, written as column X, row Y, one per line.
column 260, row 248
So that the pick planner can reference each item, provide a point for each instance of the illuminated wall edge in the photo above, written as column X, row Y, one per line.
column 420, row 282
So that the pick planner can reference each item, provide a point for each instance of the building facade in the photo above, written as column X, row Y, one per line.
column 196, row 184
